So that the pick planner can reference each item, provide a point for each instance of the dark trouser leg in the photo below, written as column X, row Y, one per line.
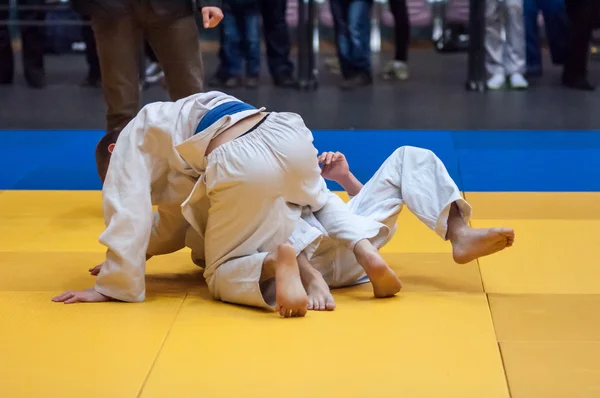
column 532, row 37
column 176, row 43
column 91, row 54
column 359, row 21
column 401, row 29
column 149, row 52
column 582, row 16
column 277, row 38
column 33, row 41
column 230, row 53
column 6, row 52
column 556, row 23
column 251, row 42
column 119, row 44
column 339, row 11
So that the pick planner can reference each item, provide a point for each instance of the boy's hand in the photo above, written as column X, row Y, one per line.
column 335, row 166
column 96, row 270
column 211, row 16
column 86, row 296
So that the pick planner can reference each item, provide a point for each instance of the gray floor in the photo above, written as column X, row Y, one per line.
column 433, row 98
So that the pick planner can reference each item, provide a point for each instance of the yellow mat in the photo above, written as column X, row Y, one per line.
column 523, row 323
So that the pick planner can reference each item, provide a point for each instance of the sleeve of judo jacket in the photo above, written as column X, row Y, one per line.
column 168, row 232
column 128, row 216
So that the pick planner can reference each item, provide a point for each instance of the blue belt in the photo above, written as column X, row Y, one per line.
column 226, row 109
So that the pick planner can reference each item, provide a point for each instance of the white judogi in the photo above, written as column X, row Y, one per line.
column 254, row 206
column 411, row 176
column 505, row 55
column 241, row 200
column 155, row 162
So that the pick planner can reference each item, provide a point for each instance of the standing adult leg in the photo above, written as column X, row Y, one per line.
column 556, row 24
column 532, row 37
column 277, row 39
column 514, row 59
column 119, row 42
column 582, row 16
column 251, row 26
column 33, row 41
column 176, row 43
column 7, row 65
column 359, row 22
column 494, row 45
column 339, row 12
column 398, row 69
column 230, row 59
column 91, row 54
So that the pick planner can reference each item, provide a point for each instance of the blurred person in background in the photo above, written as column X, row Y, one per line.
column 398, row 68
column 240, row 44
column 277, row 39
column 32, row 41
column 555, row 24
column 153, row 73
column 583, row 16
column 352, row 25
column 94, row 77
column 505, row 57
column 169, row 26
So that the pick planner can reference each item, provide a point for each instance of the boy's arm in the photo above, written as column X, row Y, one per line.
column 128, row 216
column 168, row 231
column 336, row 168
column 350, row 184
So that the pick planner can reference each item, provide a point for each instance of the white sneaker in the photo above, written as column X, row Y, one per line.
column 496, row 82
column 395, row 70
column 518, row 81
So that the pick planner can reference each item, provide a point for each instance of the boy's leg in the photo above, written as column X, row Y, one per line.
column 271, row 169
column 319, row 295
column 418, row 178
column 360, row 235
column 469, row 244
column 415, row 177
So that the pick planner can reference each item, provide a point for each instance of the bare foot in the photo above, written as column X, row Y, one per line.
column 469, row 244
column 384, row 280
column 290, row 295
column 319, row 295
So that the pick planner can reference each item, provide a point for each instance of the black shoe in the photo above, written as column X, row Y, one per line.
column 252, row 81
column 357, row 81
column 578, row 84
column 227, row 82
column 285, row 80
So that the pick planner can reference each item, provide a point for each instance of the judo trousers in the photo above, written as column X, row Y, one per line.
column 257, row 186
column 411, row 176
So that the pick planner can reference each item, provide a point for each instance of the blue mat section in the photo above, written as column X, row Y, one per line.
column 484, row 161
column 536, row 161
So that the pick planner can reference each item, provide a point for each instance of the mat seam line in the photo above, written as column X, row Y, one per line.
column 504, row 372
column 162, row 344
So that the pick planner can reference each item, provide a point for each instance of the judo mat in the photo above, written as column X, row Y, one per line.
column 524, row 323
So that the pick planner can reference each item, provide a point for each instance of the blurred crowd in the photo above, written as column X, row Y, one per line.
column 132, row 43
